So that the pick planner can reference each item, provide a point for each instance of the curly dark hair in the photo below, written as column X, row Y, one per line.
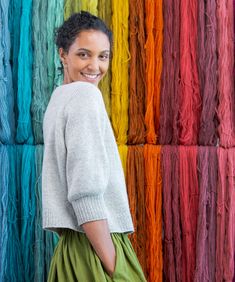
column 66, row 34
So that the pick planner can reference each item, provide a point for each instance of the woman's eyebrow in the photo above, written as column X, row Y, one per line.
column 83, row 49
column 87, row 50
column 105, row 51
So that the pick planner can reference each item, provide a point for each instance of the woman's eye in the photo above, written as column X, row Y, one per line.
column 104, row 57
column 82, row 55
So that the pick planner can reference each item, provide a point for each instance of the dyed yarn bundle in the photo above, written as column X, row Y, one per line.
column 207, row 67
column 170, row 96
column 6, row 91
column 136, row 194
column 188, row 208
column 136, row 132
column 225, row 218
column 153, row 199
column 171, row 214
column 168, row 130
column 104, row 8
column 24, row 133
column 153, row 45
column 40, row 83
column 206, row 222
column 121, row 56
column 189, row 95
column 226, row 108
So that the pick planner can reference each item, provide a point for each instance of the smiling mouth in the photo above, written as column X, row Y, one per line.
column 90, row 76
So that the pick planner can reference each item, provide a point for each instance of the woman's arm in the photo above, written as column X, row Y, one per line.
column 98, row 234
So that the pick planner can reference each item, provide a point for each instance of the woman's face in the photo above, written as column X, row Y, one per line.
column 88, row 57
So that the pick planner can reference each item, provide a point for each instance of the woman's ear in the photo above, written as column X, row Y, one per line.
column 63, row 56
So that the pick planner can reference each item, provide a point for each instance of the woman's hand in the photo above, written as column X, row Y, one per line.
column 98, row 234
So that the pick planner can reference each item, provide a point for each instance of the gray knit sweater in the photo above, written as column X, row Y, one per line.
column 82, row 176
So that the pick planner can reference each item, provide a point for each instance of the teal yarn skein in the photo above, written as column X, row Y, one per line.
column 4, row 174
column 24, row 132
column 14, row 257
column 6, row 90
column 45, row 77
column 40, row 81
column 14, row 26
column 39, row 261
column 55, row 17
column 27, row 207
column 59, row 11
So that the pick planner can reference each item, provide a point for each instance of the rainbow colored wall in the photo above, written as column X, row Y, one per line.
column 171, row 100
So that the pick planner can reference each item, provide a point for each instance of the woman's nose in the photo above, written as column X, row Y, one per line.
column 93, row 64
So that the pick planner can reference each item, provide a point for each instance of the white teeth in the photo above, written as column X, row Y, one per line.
column 91, row 76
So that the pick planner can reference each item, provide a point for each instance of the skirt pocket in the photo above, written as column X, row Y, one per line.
column 75, row 260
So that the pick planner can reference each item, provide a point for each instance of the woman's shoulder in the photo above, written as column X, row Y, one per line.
column 76, row 93
column 84, row 97
column 78, row 87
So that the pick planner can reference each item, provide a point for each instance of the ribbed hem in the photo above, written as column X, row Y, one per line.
column 89, row 209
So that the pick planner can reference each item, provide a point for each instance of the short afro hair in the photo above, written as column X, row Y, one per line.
column 66, row 34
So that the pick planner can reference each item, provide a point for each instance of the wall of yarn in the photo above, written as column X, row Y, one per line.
column 170, row 97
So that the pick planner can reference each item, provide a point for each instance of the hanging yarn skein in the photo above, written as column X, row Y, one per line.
column 26, row 154
column 169, row 102
column 150, row 70
column 24, row 127
column 140, row 188
column 153, row 204
column 136, row 132
column 14, row 256
column 121, row 56
column 50, row 27
column 169, row 260
column 104, row 12
column 58, row 78
column 4, row 180
column 40, row 78
column 234, row 117
column 90, row 6
column 6, row 88
column 206, row 222
column 189, row 98
column 158, row 44
column 132, row 191
column 136, row 195
column 222, row 159
column 226, row 108
column 230, row 259
column 55, row 14
column 225, row 215
column 171, row 213
column 70, row 7
column 15, row 9
column 207, row 70
column 188, row 208
column 123, row 156
column 39, row 262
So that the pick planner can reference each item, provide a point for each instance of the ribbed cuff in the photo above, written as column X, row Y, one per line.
column 89, row 209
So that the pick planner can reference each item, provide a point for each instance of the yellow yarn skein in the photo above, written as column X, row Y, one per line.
column 120, row 74
column 70, row 7
column 104, row 12
column 90, row 6
column 123, row 149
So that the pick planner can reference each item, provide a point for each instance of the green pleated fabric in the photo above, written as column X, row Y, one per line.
column 74, row 260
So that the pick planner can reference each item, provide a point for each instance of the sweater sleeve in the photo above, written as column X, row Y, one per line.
column 87, row 167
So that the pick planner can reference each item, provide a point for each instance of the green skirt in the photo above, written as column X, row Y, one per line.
column 75, row 260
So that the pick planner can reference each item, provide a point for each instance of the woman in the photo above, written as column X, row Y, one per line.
column 84, row 192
